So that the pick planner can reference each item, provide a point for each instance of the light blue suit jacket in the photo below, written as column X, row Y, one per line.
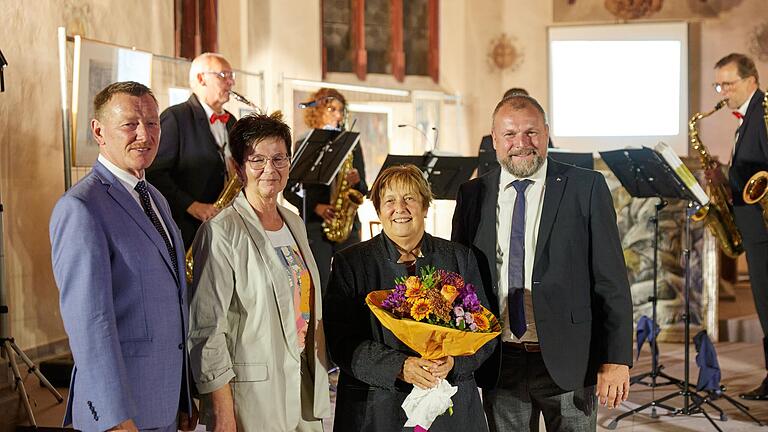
column 124, row 309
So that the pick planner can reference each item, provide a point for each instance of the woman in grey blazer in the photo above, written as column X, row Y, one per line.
column 257, row 347
column 378, row 370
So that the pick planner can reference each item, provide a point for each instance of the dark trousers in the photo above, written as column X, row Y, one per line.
column 324, row 249
column 525, row 390
column 750, row 222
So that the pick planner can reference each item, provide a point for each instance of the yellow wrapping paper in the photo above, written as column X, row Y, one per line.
column 430, row 340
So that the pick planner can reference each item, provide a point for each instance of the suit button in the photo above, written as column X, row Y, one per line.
column 181, row 346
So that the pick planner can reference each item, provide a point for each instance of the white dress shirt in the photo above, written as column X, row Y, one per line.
column 534, row 202
column 129, row 181
column 218, row 129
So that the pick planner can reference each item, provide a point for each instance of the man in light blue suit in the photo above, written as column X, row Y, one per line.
column 118, row 262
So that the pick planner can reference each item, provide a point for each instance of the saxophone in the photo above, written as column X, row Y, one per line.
column 227, row 195
column 718, row 214
column 345, row 202
column 756, row 190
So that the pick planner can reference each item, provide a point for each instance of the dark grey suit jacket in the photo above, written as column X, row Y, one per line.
column 369, row 395
column 581, row 296
column 189, row 165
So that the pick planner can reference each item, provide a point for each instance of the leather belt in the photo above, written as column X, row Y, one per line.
column 522, row 346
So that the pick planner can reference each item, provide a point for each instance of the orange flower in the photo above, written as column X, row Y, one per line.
column 420, row 309
column 412, row 287
column 481, row 321
column 449, row 293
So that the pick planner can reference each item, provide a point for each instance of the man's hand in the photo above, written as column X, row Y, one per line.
column 127, row 425
column 325, row 211
column 223, row 410
column 612, row 384
column 353, row 177
column 441, row 367
column 202, row 211
column 416, row 371
column 188, row 421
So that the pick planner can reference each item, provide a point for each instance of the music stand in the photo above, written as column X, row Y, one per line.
column 444, row 173
column 645, row 173
column 319, row 158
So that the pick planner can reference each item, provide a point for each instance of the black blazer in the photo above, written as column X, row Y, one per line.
column 580, row 289
column 189, row 165
column 369, row 395
column 321, row 194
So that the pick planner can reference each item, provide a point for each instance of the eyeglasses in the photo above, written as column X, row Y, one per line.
column 222, row 74
column 726, row 85
column 259, row 162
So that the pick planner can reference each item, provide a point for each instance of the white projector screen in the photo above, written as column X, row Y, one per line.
column 617, row 86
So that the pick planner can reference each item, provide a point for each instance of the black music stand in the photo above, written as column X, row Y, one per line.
column 645, row 173
column 444, row 173
column 319, row 158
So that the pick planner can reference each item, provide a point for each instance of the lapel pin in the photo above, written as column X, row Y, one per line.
column 559, row 179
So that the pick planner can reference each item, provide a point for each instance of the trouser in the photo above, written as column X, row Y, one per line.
column 525, row 390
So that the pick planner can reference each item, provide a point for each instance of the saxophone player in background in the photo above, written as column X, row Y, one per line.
column 326, row 110
column 736, row 79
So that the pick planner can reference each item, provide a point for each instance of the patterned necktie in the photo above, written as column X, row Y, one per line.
column 146, row 204
column 516, row 265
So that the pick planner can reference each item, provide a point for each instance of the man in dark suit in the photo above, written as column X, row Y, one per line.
column 547, row 243
column 191, row 169
column 118, row 263
column 737, row 80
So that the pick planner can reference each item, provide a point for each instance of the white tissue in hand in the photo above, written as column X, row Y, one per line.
column 423, row 406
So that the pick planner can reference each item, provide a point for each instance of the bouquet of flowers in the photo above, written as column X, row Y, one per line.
column 436, row 314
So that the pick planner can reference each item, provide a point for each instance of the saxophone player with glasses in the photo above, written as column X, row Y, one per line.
column 737, row 80
column 327, row 109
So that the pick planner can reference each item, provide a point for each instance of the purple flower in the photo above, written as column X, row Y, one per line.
column 471, row 303
column 395, row 298
column 458, row 311
column 473, row 327
column 469, row 318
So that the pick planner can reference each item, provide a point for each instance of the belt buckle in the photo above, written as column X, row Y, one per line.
column 531, row 347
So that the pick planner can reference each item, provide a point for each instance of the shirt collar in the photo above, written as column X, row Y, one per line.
column 208, row 110
column 124, row 176
column 743, row 108
column 506, row 179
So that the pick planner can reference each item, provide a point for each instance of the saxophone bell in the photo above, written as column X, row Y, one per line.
column 756, row 190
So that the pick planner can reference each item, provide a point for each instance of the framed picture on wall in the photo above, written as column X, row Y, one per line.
column 96, row 65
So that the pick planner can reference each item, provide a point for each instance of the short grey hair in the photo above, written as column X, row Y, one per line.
column 519, row 101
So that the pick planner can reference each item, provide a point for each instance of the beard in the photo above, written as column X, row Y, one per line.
column 525, row 168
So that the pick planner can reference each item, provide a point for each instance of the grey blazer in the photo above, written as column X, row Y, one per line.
column 242, row 325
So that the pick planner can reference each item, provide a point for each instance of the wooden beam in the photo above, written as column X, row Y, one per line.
column 397, row 54
column 187, row 28
column 358, row 39
column 209, row 29
column 433, row 33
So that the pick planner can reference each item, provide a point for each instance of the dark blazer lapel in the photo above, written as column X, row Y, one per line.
column 116, row 190
column 202, row 123
column 486, row 236
column 553, row 193
column 753, row 105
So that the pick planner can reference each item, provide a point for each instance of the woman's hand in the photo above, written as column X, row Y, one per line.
column 441, row 367
column 223, row 410
column 416, row 371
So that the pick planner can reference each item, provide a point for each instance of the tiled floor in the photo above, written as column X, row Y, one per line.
column 741, row 366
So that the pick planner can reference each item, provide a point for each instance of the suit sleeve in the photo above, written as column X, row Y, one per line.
column 612, row 302
column 459, row 231
column 210, row 296
column 347, row 331
column 82, row 269
column 466, row 365
column 161, row 173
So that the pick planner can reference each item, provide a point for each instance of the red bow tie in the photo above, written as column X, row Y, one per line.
column 224, row 118
column 738, row 115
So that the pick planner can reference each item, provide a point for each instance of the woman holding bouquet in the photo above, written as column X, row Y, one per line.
column 378, row 371
column 257, row 349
